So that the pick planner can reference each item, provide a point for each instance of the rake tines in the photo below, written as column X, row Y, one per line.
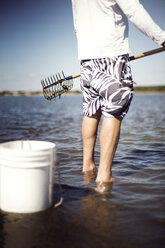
column 56, row 85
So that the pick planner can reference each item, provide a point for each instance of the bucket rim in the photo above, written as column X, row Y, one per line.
column 4, row 148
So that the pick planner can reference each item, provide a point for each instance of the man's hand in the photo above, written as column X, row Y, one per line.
column 163, row 44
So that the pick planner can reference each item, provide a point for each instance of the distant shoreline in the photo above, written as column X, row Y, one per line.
column 138, row 89
column 150, row 89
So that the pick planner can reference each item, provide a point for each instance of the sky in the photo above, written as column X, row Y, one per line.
column 37, row 39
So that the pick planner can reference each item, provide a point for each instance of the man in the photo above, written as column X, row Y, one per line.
column 102, row 33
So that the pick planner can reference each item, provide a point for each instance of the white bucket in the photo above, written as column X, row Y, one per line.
column 26, row 173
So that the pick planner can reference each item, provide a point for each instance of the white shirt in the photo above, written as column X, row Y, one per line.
column 102, row 26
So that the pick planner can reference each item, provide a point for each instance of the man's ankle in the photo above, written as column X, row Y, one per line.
column 89, row 167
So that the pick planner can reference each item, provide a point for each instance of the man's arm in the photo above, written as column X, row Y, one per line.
column 136, row 13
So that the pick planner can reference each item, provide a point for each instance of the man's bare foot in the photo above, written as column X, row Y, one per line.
column 104, row 187
column 89, row 176
column 105, row 180
column 104, row 176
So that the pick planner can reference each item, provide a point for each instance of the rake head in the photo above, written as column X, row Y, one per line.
column 56, row 85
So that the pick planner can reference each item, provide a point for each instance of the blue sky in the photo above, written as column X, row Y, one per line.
column 37, row 39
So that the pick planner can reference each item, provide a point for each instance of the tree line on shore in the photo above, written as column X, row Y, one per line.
column 138, row 89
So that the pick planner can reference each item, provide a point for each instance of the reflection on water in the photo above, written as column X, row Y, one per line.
column 131, row 214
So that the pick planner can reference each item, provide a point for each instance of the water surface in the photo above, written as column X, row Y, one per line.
column 131, row 214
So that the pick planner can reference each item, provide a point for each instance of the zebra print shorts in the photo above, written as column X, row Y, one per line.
column 107, row 84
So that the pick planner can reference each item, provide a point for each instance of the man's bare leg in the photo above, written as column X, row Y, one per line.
column 89, row 135
column 109, row 137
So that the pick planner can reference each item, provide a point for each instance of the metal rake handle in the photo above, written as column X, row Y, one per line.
column 57, row 85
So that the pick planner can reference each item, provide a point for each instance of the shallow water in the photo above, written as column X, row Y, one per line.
column 131, row 214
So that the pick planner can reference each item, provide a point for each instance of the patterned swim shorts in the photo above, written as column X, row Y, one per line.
column 107, row 84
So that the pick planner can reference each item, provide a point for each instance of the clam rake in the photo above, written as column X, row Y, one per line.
column 57, row 84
